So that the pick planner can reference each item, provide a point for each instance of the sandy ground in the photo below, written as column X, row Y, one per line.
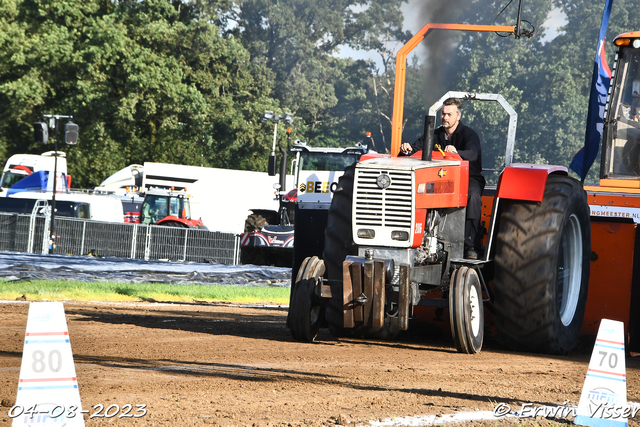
column 226, row 365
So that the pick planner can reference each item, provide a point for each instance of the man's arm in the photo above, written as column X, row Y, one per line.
column 469, row 145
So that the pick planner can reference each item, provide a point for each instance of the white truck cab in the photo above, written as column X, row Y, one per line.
column 20, row 166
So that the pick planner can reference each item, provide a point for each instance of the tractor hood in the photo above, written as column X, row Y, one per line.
column 411, row 163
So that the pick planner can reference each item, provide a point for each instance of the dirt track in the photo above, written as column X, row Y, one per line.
column 237, row 366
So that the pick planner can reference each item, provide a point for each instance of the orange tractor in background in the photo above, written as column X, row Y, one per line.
column 615, row 203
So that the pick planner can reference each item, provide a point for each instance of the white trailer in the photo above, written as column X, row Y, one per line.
column 221, row 197
column 101, row 207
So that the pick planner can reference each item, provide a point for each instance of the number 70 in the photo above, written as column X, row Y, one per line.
column 612, row 359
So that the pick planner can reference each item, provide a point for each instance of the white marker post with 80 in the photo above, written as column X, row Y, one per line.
column 48, row 389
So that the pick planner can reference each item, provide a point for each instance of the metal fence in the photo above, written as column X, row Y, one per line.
column 29, row 233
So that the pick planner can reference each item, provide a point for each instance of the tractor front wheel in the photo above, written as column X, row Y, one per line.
column 306, row 309
column 542, row 261
column 338, row 243
column 466, row 312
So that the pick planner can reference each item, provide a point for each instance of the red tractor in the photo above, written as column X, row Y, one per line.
column 393, row 246
column 169, row 208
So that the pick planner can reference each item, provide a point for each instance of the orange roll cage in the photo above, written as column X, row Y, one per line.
column 401, row 70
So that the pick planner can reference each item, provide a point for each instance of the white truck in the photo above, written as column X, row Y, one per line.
column 101, row 207
column 220, row 197
column 27, row 177
column 19, row 166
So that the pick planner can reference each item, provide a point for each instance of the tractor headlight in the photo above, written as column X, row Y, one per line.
column 402, row 236
column 366, row 233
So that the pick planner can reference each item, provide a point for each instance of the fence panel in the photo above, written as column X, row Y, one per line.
column 125, row 240
column 69, row 237
column 167, row 243
column 143, row 234
column 212, row 246
column 14, row 233
column 108, row 239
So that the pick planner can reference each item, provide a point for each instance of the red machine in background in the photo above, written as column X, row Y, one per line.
column 169, row 208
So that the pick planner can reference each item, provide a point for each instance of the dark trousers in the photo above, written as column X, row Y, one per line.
column 474, row 211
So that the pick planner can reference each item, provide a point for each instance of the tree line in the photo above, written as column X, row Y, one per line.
column 186, row 82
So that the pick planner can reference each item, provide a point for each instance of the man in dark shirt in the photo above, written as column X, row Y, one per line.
column 458, row 138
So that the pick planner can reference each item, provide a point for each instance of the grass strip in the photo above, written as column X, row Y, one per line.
column 62, row 290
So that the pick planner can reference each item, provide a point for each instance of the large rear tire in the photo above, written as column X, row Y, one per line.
column 254, row 222
column 338, row 243
column 543, row 252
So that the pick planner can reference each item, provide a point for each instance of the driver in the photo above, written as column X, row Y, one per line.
column 631, row 94
column 149, row 211
column 458, row 138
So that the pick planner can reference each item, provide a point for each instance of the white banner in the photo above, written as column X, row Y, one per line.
column 615, row 212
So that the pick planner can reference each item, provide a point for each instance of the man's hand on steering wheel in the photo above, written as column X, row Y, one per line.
column 406, row 149
column 450, row 149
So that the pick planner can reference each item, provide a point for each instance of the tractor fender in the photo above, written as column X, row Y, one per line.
column 174, row 220
column 518, row 181
column 525, row 181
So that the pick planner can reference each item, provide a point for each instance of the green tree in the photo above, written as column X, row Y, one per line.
column 179, row 91
column 297, row 40
column 36, row 51
column 146, row 81
column 569, row 60
column 547, row 83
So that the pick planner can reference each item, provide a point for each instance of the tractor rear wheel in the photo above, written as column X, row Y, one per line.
column 338, row 238
column 306, row 309
column 254, row 222
column 466, row 311
column 543, row 252
column 338, row 243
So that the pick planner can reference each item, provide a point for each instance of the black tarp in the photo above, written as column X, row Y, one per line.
column 22, row 266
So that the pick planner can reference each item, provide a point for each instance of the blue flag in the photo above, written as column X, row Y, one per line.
column 584, row 158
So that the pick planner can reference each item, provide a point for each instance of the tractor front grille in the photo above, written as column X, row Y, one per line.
column 390, row 207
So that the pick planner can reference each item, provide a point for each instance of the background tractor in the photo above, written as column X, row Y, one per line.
column 158, row 206
column 269, row 236
column 394, row 244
